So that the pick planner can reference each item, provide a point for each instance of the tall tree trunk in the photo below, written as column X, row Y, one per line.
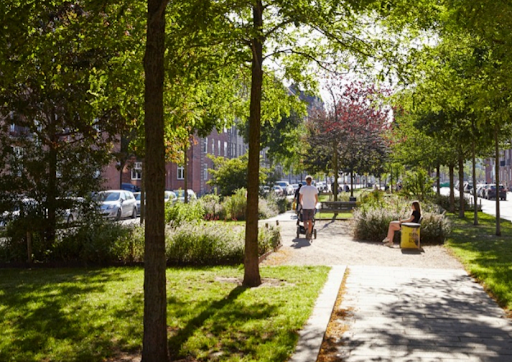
column 438, row 178
column 155, row 307
column 143, row 193
column 351, row 184
column 252, row 276
column 185, row 173
column 51, row 220
column 452, row 191
column 336, row 171
column 475, row 196
column 497, row 172
column 461, row 186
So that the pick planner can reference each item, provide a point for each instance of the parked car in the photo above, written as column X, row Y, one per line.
column 117, row 204
column 264, row 190
column 490, row 192
column 180, row 194
column 74, row 209
column 21, row 208
column 137, row 196
column 468, row 186
column 278, row 190
column 295, row 188
column 482, row 190
column 285, row 185
column 170, row 196
column 321, row 186
column 130, row 187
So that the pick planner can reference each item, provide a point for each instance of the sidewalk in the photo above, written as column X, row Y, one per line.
column 409, row 314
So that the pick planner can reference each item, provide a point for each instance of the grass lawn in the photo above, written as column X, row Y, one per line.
column 96, row 314
column 486, row 256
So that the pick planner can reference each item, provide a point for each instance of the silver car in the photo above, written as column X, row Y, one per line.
column 117, row 204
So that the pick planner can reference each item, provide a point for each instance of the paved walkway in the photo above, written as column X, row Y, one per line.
column 403, row 313
column 407, row 314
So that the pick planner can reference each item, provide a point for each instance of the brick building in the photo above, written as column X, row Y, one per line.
column 228, row 144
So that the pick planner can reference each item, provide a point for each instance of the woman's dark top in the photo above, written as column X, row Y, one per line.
column 416, row 215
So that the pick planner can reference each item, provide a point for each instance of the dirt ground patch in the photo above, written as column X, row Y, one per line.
column 334, row 245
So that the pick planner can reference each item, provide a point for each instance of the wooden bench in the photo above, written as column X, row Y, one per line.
column 336, row 206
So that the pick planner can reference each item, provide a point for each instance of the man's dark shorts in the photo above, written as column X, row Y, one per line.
column 308, row 214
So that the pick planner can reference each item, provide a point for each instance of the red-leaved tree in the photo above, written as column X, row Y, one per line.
column 348, row 134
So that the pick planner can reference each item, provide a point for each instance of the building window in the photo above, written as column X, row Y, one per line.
column 205, row 145
column 225, row 149
column 205, row 173
column 137, row 171
column 218, row 147
column 213, row 147
column 181, row 173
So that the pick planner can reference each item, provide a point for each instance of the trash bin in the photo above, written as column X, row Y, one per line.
column 410, row 238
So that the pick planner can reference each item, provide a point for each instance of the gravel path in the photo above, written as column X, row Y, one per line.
column 335, row 246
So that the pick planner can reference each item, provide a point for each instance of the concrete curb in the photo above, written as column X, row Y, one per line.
column 311, row 337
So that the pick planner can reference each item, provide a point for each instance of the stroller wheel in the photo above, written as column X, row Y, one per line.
column 314, row 233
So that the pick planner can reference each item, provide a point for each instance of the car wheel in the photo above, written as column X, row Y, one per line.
column 134, row 212
column 118, row 216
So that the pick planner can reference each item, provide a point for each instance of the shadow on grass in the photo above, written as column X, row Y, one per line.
column 43, row 310
column 223, row 324
column 486, row 256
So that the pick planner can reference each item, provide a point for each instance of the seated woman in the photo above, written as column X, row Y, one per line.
column 395, row 225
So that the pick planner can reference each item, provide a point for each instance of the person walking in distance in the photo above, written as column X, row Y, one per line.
column 308, row 201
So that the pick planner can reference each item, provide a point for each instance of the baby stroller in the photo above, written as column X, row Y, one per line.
column 301, row 229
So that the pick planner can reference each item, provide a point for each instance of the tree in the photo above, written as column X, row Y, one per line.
column 351, row 132
column 155, row 296
column 53, row 83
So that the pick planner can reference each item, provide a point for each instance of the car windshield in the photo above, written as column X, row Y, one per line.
column 137, row 196
column 109, row 196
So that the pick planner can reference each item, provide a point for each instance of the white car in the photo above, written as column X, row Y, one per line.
column 287, row 188
column 117, row 204
column 21, row 208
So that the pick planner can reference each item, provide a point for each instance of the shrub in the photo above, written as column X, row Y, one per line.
column 236, row 205
column 201, row 243
column 371, row 223
column 444, row 202
column 268, row 239
column 267, row 208
column 99, row 241
column 206, row 243
column 181, row 212
column 213, row 208
column 417, row 184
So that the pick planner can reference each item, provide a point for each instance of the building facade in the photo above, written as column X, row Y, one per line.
column 228, row 143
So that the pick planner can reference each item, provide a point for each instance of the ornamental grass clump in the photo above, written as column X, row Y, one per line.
column 199, row 243
column 206, row 243
column 371, row 220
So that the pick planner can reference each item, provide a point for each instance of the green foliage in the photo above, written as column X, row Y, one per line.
column 371, row 221
column 417, row 184
column 213, row 208
column 267, row 208
column 99, row 242
column 96, row 241
column 213, row 243
column 236, row 205
column 485, row 256
column 181, row 212
column 92, row 314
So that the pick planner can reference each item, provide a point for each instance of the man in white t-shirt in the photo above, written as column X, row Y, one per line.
column 308, row 200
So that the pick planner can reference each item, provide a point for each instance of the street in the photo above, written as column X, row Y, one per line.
column 488, row 206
